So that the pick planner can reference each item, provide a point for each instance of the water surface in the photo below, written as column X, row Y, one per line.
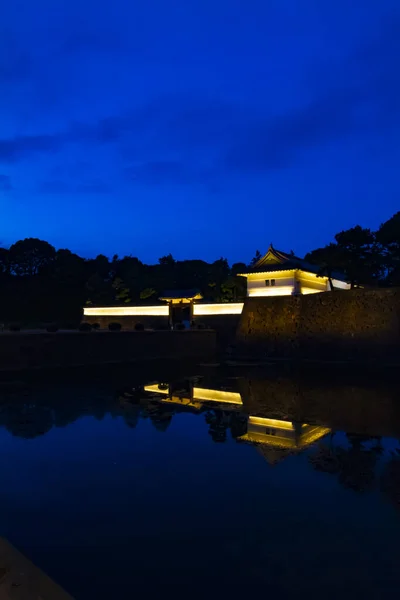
column 214, row 484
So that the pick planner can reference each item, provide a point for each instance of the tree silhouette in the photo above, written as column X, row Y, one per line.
column 327, row 259
column 39, row 284
column 28, row 257
column 255, row 258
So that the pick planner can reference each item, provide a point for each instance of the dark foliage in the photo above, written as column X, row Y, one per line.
column 139, row 327
column 85, row 327
column 40, row 284
column 115, row 326
column 95, row 326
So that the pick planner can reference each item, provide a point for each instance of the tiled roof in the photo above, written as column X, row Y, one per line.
column 276, row 260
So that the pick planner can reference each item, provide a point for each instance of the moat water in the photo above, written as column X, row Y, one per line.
column 214, row 484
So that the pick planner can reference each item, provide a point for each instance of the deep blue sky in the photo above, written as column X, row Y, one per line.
column 204, row 128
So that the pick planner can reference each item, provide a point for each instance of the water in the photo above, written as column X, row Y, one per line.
column 215, row 484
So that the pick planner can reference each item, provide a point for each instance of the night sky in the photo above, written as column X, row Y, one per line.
column 205, row 128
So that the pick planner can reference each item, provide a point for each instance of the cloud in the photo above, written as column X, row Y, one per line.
column 5, row 183
column 213, row 138
column 359, row 96
column 162, row 172
column 59, row 187
column 18, row 147
column 15, row 64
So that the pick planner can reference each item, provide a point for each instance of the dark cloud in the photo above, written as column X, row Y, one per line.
column 355, row 97
column 359, row 96
column 5, row 183
column 19, row 147
column 59, row 187
column 15, row 63
column 162, row 172
column 75, row 169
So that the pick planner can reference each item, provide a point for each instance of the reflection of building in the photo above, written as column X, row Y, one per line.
column 276, row 439
column 191, row 396
column 281, row 274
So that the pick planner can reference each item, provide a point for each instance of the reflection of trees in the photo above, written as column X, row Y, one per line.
column 159, row 415
column 390, row 479
column 27, row 421
column 238, row 424
column 219, row 421
column 353, row 466
column 31, row 418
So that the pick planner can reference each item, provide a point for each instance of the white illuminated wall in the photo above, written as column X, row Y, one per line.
column 127, row 311
column 288, row 283
column 284, row 284
column 231, row 308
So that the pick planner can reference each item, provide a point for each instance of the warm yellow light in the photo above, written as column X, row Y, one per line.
column 269, row 274
column 312, row 436
column 278, row 290
column 268, row 440
column 203, row 394
column 343, row 285
column 309, row 434
column 183, row 299
column 155, row 389
column 311, row 276
column 308, row 290
column 126, row 311
column 275, row 423
column 217, row 396
column 218, row 309
column 182, row 401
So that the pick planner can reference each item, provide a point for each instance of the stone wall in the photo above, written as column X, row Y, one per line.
column 345, row 325
column 225, row 327
column 63, row 349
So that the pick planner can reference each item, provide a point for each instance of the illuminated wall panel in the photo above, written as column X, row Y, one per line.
column 341, row 285
column 127, row 311
column 234, row 308
column 284, row 282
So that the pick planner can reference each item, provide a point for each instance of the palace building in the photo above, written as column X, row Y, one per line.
column 275, row 274
column 281, row 274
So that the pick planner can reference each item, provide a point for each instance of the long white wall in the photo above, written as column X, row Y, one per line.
column 127, row 311
column 228, row 308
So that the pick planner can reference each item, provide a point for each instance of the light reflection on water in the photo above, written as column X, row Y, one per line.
column 211, row 484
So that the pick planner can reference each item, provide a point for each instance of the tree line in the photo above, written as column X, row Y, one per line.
column 40, row 284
